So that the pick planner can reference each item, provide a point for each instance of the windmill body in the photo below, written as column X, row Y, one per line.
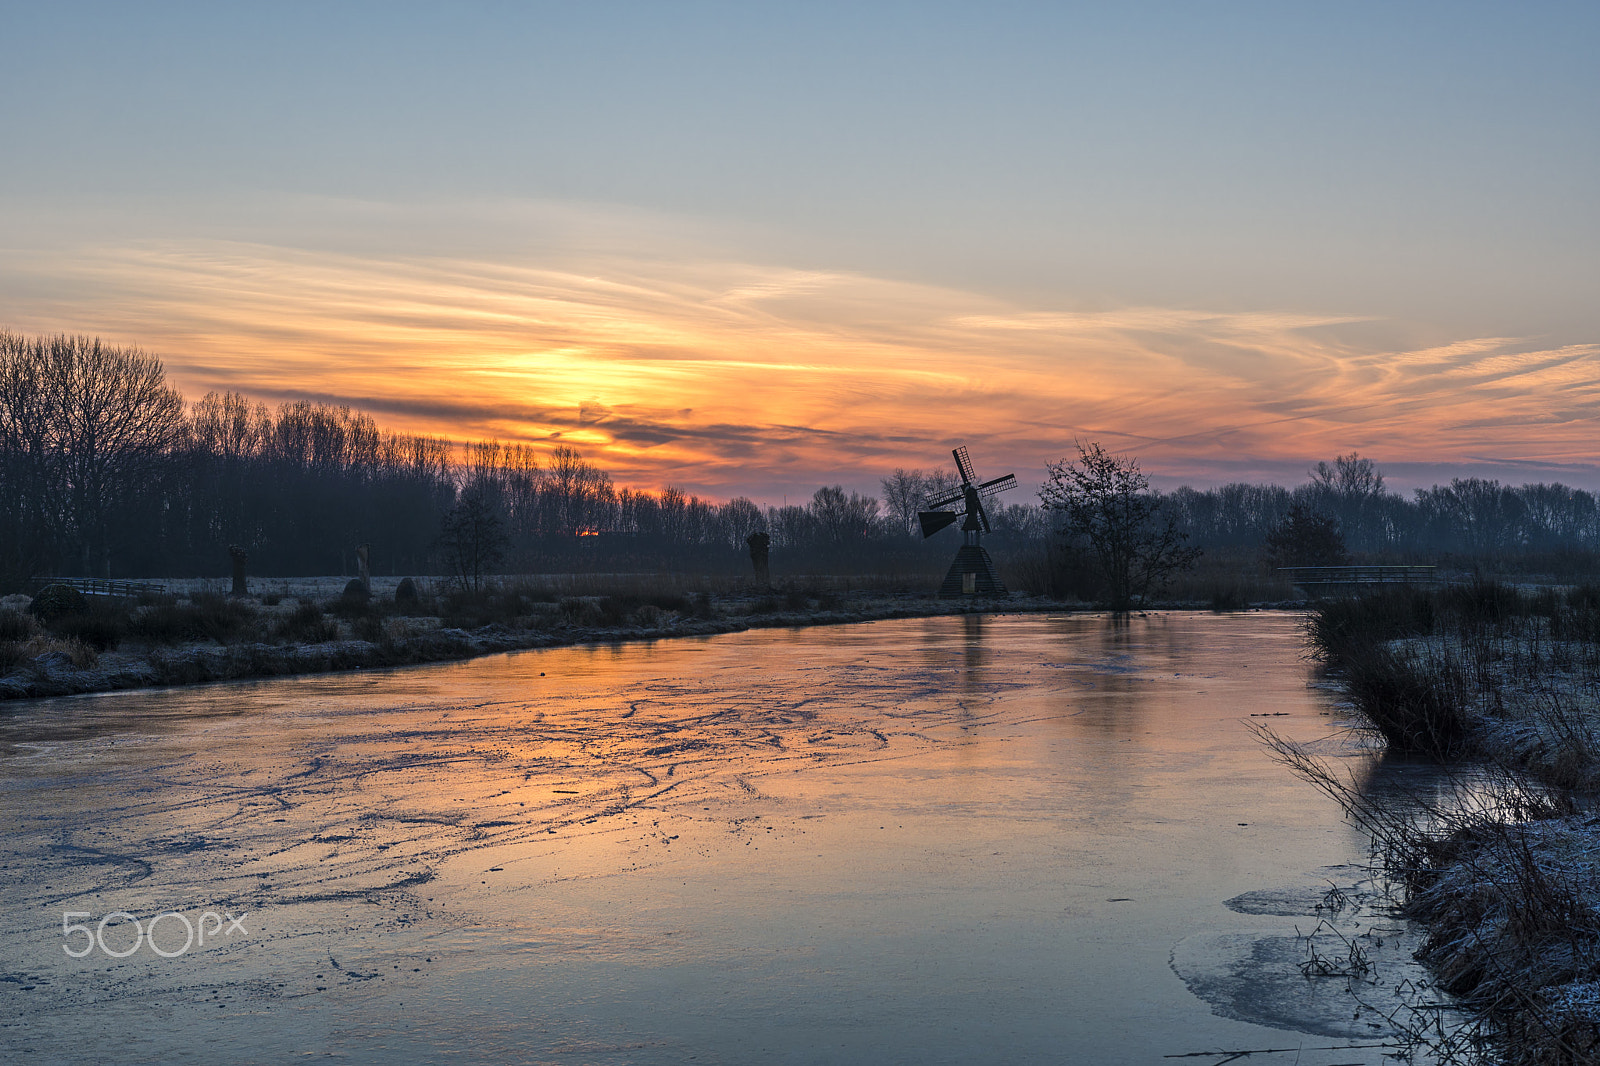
column 972, row 573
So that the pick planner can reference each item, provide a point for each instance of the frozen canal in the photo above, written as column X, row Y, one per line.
column 947, row 840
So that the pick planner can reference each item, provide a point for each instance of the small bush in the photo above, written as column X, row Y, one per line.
column 307, row 625
column 1228, row 599
column 371, row 629
column 1418, row 704
column 1586, row 597
column 55, row 601
column 1484, row 602
column 406, row 594
column 15, row 626
column 80, row 654
column 102, row 626
column 1580, row 622
column 578, row 611
column 13, row 657
column 206, row 617
column 1340, row 627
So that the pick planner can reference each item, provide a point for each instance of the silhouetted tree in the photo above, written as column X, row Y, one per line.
column 1106, row 508
column 905, row 492
column 94, row 424
column 472, row 537
column 1306, row 538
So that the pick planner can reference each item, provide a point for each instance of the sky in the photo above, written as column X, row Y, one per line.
column 754, row 248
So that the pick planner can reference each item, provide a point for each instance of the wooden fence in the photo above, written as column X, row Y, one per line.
column 90, row 586
column 1317, row 579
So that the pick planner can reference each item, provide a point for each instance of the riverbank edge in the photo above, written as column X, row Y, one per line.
column 54, row 675
column 1490, row 884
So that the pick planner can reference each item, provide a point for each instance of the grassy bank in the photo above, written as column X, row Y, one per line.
column 200, row 636
column 195, row 633
column 1501, row 685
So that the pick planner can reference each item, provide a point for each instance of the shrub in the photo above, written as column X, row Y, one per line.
column 355, row 602
column 370, row 628
column 13, row 657
column 307, row 625
column 102, row 626
column 579, row 611
column 1418, row 704
column 406, row 594
column 1484, row 602
column 1228, row 599
column 54, row 601
column 79, row 654
column 15, row 626
column 205, row 617
column 1340, row 627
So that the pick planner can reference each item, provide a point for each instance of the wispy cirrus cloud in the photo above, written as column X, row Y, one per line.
column 729, row 376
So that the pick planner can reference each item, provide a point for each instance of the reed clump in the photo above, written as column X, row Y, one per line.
column 1502, row 685
column 1500, row 870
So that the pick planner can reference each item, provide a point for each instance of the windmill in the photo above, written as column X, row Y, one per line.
column 972, row 573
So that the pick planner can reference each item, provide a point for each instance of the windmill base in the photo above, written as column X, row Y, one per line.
column 972, row 574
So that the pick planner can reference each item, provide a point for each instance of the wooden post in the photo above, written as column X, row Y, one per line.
column 365, row 570
column 239, row 556
column 759, row 543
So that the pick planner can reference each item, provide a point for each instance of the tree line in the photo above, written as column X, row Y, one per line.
column 106, row 470
column 1470, row 518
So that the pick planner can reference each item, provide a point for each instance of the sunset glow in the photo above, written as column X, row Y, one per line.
column 729, row 377
column 788, row 274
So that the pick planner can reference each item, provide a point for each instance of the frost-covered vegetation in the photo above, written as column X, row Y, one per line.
column 1501, row 684
column 59, row 642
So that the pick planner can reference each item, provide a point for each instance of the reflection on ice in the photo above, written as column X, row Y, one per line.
column 934, row 840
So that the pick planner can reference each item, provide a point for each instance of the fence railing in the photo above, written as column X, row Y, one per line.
column 1312, row 578
column 90, row 586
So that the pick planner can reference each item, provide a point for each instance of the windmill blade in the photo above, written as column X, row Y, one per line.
column 964, row 465
column 999, row 484
column 933, row 521
column 934, row 503
column 983, row 515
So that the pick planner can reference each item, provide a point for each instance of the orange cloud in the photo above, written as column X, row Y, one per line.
column 723, row 375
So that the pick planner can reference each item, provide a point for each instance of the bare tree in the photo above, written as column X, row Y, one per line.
column 1350, row 476
column 472, row 537
column 31, row 512
column 576, row 496
column 905, row 491
column 97, row 419
column 1106, row 508
column 737, row 519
